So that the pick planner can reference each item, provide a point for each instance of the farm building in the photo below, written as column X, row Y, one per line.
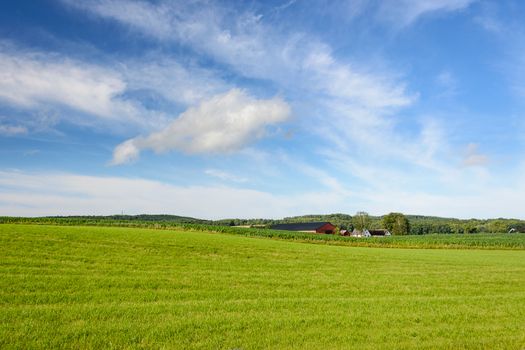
column 517, row 228
column 370, row 233
column 313, row 227
column 379, row 232
column 359, row 233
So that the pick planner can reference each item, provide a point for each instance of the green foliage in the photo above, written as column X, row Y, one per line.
column 361, row 221
column 396, row 223
column 497, row 226
column 127, row 288
column 419, row 225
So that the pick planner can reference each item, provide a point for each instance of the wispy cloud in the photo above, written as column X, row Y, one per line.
column 32, row 79
column 254, row 49
column 357, row 103
column 12, row 130
column 402, row 13
column 183, row 83
column 298, row 62
column 223, row 124
column 509, row 31
column 225, row 175
column 448, row 82
column 25, row 194
column 473, row 157
column 52, row 87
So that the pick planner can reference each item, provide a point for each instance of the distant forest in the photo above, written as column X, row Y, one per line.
column 418, row 224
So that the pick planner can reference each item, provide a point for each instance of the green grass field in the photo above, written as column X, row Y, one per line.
column 95, row 287
column 514, row 241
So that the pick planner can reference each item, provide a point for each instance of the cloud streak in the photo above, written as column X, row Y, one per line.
column 402, row 13
column 473, row 157
column 252, row 48
column 355, row 103
column 71, row 194
column 12, row 130
column 32, row 80
column 225, row 176
column 51, row 193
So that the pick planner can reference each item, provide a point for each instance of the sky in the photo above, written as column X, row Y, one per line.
column 262, row 109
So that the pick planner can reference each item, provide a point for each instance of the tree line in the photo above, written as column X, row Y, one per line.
column 396, row 223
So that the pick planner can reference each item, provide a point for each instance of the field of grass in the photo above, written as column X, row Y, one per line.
column 434, row 241
column 97, row 287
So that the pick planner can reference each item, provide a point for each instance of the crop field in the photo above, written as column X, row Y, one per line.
column 99, row 287
column 434, row 241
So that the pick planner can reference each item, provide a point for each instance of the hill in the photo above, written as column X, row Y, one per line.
column 141, row 217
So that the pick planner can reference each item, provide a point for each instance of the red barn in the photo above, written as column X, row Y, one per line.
column 313, row 227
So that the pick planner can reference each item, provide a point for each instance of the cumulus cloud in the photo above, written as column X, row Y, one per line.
column 355, row 97
column 354, row 102
column 223, row 124
column 473, row 157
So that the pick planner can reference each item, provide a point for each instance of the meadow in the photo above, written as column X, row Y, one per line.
column 434, row 241
column 101, row 287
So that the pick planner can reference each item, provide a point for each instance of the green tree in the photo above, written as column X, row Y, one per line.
column 361, row 220
column 469, row 227
column 498, row 226
column 396, row 223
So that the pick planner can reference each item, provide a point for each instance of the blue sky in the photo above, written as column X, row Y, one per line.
column 262, row 109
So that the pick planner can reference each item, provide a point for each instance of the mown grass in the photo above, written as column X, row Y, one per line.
column 96, row 287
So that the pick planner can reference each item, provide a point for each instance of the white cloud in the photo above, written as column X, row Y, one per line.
column 12, row 130
column 180, row 82
column 356, row 103
column 222, row 124
column 254, row 49
column 32, row 194
column 157, row 20
column 448, row 82
column 225, row 176
column 473, row 157
column 126, row 152
column 402, row 13
column 489, row 18
column 32, row 80
column 486, row 203
column 356, row 98
column 373, row 91
column 55, row 85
